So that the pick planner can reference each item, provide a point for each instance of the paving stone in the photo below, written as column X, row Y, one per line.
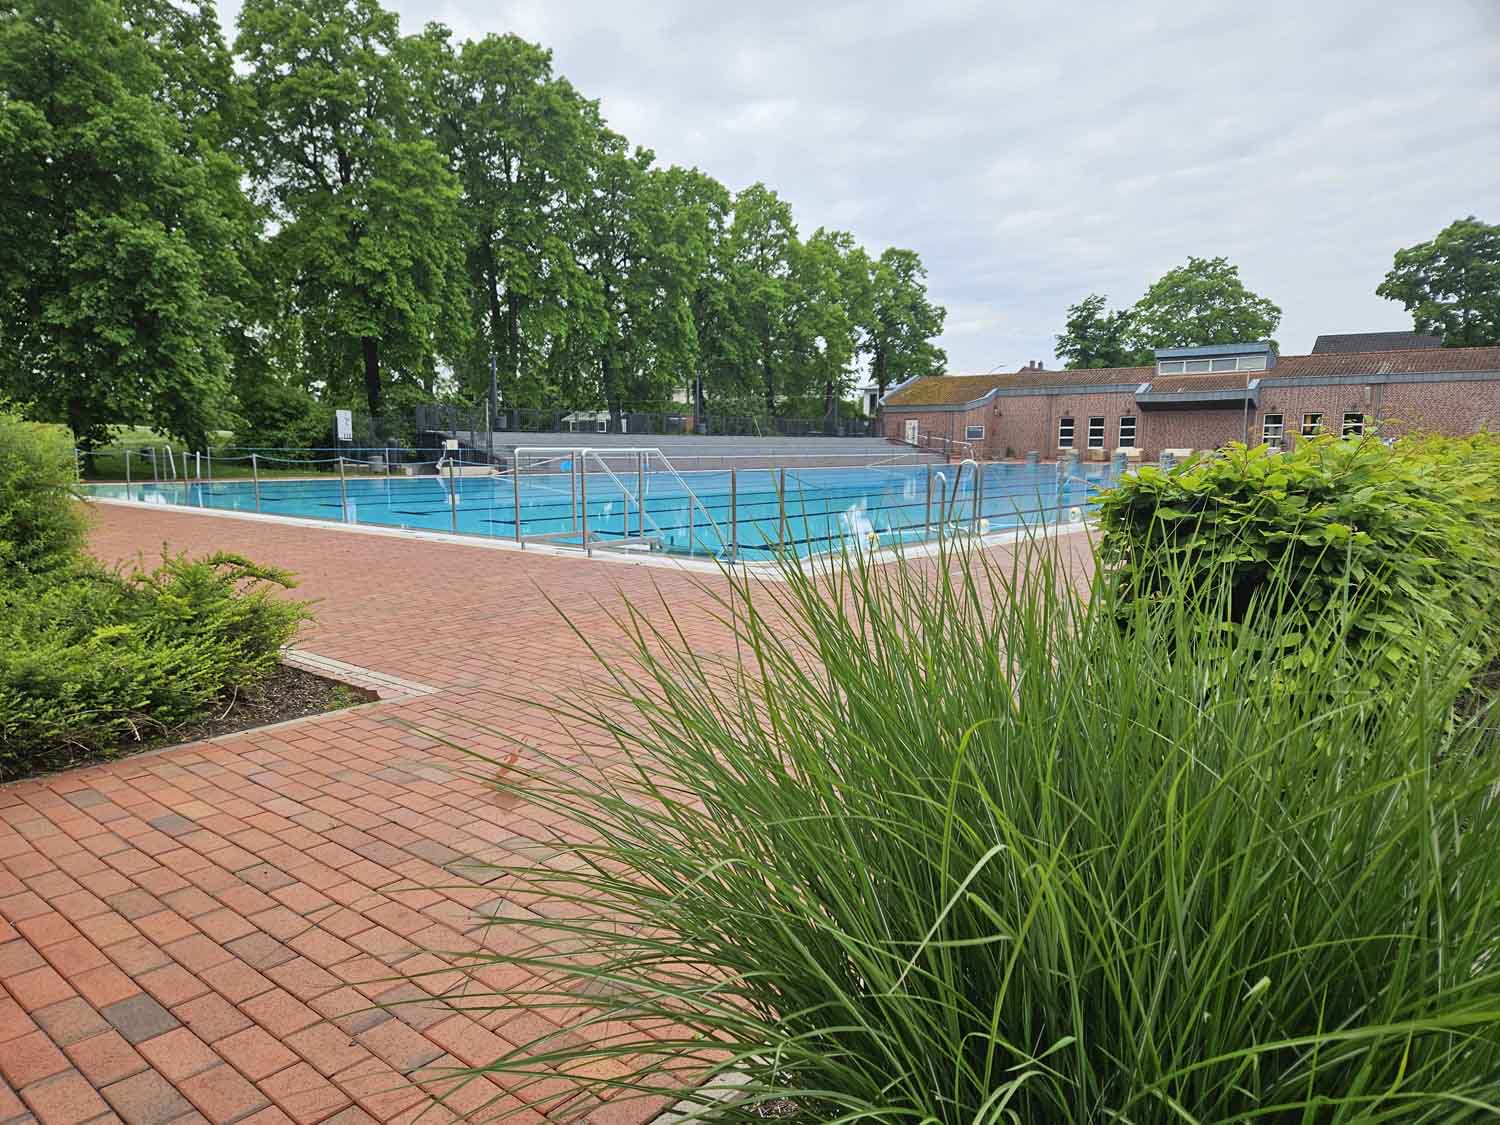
column 146, row 1099
column 139, row 1018
column 64, row 1099
column 70, row 1021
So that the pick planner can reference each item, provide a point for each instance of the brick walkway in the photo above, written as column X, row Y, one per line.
column 200, row 934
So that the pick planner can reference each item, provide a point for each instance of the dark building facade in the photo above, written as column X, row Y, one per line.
column 1199, row 398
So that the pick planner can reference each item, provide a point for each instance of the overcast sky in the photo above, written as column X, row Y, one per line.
column 1034, row 153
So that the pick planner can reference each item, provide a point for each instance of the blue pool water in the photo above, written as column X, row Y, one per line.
column 824, row 507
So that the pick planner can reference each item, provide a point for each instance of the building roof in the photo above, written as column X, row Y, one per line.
column 956, row 390
column 1372, row 342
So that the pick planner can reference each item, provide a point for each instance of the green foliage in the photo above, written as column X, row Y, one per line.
column 120, row 235
column 901, row 321
column 92, row 658
column 944, row 844
column 41, row 524
column 420, row 209
column 1095, row 338
column 89, row 658
column 1202, row 302
column 369, row 243
column 1451, row 285
column 1408, row 536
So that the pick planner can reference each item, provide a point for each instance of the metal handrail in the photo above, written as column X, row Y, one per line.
column 948, row 443
column 581, row 456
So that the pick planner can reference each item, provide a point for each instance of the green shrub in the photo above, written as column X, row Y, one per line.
column 1416, row 526
column 946, row 845
column 90, row 659
column 41, row 523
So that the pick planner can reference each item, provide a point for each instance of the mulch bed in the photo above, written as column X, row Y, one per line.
column 288, row 693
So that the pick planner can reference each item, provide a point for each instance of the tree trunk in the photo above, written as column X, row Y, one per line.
column 513, row 337
column 369, row 347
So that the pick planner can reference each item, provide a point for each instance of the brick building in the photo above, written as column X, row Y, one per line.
column 1200, row 398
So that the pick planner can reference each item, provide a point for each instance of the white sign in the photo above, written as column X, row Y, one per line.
column 345, row 421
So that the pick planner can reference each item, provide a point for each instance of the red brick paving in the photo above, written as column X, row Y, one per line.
column 201, row 933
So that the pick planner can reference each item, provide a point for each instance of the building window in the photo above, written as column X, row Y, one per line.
column 1272, row 429
column 1202, row 366
column 1312, row 425
column 1354, row 425
column 973, row 433
column 1065, row 433
column 1096, row 433
column 1127, row 432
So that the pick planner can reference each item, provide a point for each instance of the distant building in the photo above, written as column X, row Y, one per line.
column 1373, row 342
column 1199, row 398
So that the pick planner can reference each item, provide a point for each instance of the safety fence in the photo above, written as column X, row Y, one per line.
column 476, row 420
column 636, row 499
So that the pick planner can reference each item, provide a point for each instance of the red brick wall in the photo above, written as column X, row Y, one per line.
column 1015, row 426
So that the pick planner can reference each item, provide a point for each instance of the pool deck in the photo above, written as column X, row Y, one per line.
column 200, row 933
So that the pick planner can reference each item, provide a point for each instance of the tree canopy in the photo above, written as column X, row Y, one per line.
column 1451, row 285
column 338, row 212
column 1201, row 302
column 121, row 230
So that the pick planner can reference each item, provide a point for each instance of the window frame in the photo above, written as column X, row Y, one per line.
column 1356, row 429
column 1272, row 433
column 1092, row 439
column 1071, row 424
column 970, row 435
column 1123, row 441
column 1217, row 365
column 1313, row 428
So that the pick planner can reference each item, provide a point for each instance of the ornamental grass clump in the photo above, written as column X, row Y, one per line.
column 943, row 843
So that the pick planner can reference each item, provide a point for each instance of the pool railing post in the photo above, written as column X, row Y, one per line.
column 343, row 491
column 583, row 495
column 515, row 483
column 734, row 513
column 978, row 495
column 573, row 469
column 452, row 500
column 210, row 452
column 172, row 464
column 927, row 528
column 127, row 472
column 640, row 498
column 255, row 478
column 781, row 509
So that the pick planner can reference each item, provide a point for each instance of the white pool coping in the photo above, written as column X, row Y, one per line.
column 761, row 569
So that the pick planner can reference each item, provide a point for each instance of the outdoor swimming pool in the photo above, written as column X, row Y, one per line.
column 703, row 514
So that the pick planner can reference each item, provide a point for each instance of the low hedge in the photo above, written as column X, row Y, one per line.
column 41, row 522
column 1415, row 526
column 95, row 659
column 92, row 660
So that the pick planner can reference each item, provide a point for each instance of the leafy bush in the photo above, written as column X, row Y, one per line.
column 93, row 657
column 947, row 845
column 41, row 522
column 1416, row 526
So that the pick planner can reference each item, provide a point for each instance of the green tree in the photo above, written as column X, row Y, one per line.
column 902, row 321
column 119, row 235
column 640, row 266
column 702, row 207
column 369, row 244
column 518, row 138
column 1092, row 337
column 1451, row 285
column 826, row 300
column 762, row 236
column 1202, row 302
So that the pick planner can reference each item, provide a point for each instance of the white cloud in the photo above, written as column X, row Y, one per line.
column 1033, row 154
